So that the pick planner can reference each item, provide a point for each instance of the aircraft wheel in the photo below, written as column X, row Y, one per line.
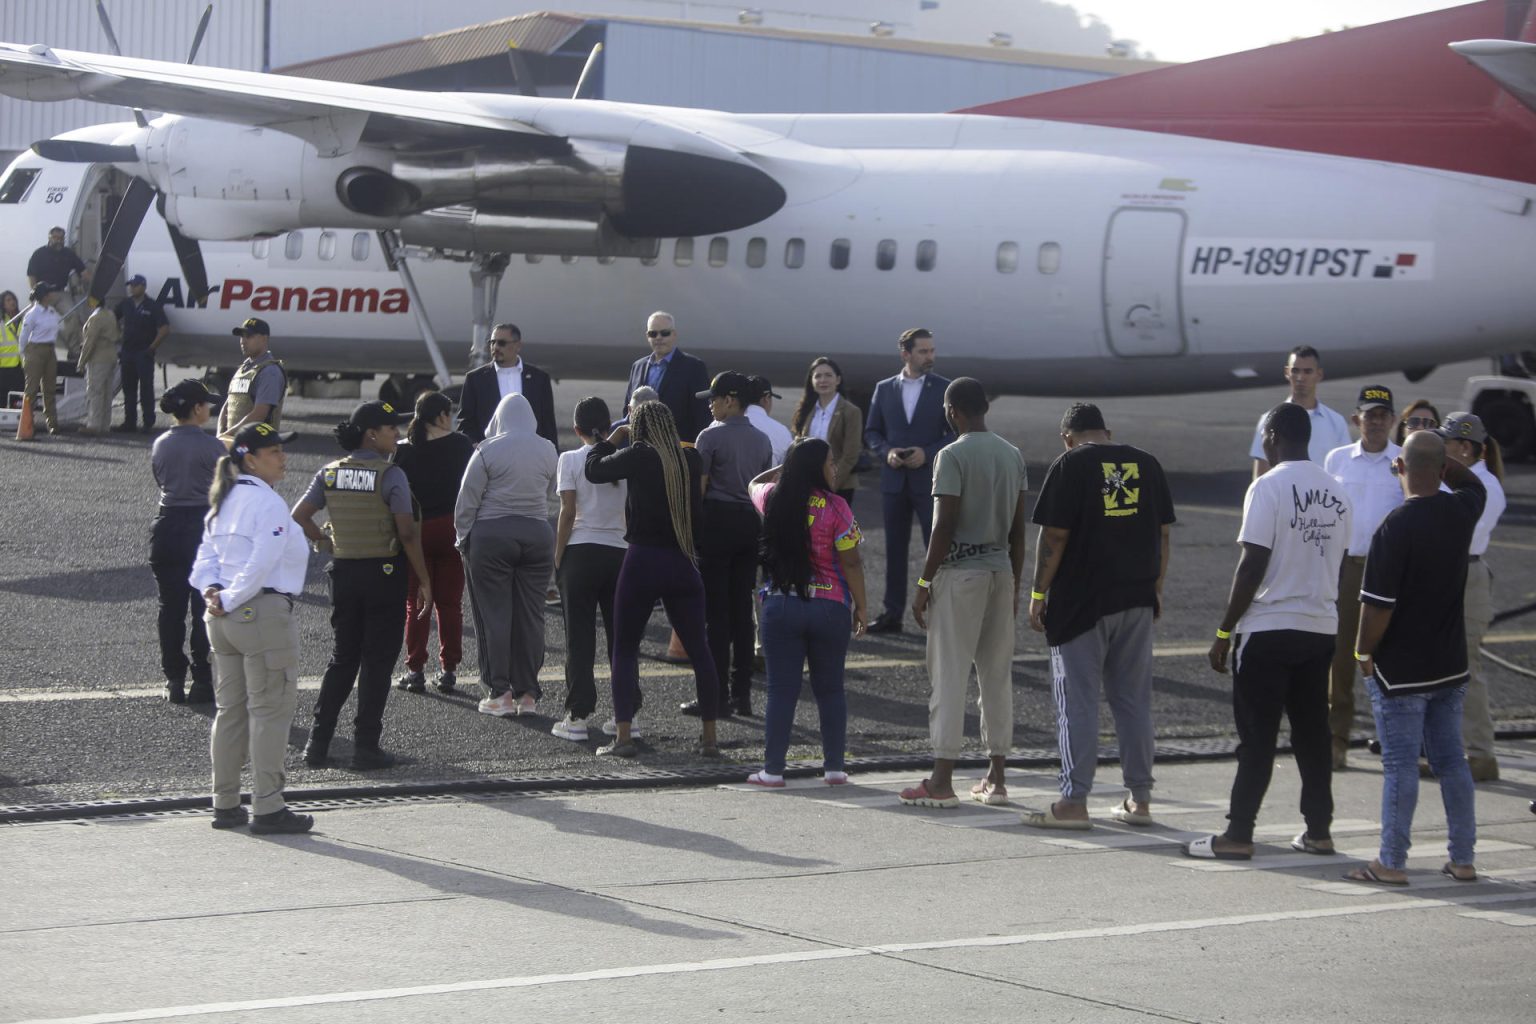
column 1511, row 423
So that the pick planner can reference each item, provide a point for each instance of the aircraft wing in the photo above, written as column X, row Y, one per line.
column 1509, row 62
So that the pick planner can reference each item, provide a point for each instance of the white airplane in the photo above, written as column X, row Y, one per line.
column 1369, row 192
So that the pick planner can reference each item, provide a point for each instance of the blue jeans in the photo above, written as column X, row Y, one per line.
column 797, row 631
column 1405, row 724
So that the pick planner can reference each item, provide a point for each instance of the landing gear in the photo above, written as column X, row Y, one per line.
column 485, row 273
column 401, row 391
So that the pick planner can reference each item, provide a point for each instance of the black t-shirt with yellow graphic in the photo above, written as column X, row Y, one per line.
column 1114, row 499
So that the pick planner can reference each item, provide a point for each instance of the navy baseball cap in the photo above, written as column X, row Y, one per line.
column 378, row 414
column 137, row 279
column 258, row 436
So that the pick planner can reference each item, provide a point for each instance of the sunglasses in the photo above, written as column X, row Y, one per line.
column 1422, row 422
column 658, row 334
column 499, row 342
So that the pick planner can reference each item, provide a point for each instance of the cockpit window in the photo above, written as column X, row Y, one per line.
column 18, row 184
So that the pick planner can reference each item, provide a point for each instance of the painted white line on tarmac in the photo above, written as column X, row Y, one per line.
column 776, row 959
column 1502, row 917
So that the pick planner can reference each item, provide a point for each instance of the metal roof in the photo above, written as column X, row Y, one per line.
column 546, row 32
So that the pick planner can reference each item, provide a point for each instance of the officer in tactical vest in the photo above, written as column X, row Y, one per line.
column 257, row 389
column 374, row 527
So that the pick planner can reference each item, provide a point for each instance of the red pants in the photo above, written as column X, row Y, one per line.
column 447, row 577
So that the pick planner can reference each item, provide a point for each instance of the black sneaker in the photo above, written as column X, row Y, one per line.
column 200, row 693
column 316, row 753
column 368, row 759
column 124, row 428
column 446, row 682
column 283, row 822
column 230, row 817
column 175, row 691
column 690, row 707
column 885, row 623
column 412, row 682
column 742, row 706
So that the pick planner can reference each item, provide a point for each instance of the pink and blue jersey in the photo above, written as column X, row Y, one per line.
column 832, row 529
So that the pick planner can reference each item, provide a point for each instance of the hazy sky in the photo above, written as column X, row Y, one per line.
column 1184, row 30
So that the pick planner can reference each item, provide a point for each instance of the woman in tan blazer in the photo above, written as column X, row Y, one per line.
column 825, row 412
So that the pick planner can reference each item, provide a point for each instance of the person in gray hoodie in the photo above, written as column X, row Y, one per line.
column 501, row 526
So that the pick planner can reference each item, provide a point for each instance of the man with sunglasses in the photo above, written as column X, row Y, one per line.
column 677, row 377
column 508, row 373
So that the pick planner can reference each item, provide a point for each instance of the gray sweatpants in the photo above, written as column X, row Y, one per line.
column 509, row 561
column 1115, row 656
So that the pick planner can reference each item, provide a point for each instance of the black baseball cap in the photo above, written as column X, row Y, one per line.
column 1375, row 396
column 1463, row 426
column 192, row 391
column 730, row 384
column 762, row 387
column 252, row 325
column 377, row 414
column 258, row 436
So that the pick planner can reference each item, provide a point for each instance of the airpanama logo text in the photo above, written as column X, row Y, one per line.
column 265, row 298
column 353, row 479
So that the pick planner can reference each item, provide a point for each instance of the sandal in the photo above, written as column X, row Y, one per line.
column 1125, row 814
column 919, row 796
column 1367, row 873
column 1304, row 843
column 1047, row 819
column 990, row 793
column 617, row 749
column 1451, row 868
column 1205, row 849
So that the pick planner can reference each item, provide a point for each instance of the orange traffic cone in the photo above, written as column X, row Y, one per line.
column 24, row 426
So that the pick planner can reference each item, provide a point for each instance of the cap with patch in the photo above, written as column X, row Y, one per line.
column 137, row 279
column 1375, row 396
column 258, row 436
column 1463, row 426
column 193, row 391
column 729, row 384
column 762, row 388
column 252, row 325
column 371, row 415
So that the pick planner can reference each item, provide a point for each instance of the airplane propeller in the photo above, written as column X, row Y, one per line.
column 139, row 195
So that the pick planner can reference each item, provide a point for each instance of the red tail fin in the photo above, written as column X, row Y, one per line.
column 1393, row 91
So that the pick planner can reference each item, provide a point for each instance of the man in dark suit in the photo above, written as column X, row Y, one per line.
column 677, row 377
column 507, row 373
column 906, row 428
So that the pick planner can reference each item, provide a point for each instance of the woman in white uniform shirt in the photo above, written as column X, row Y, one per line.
column 1467, row 441
column 249, row 567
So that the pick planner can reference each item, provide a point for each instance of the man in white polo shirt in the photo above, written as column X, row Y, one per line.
column 1364, row 473
column 1304, row 372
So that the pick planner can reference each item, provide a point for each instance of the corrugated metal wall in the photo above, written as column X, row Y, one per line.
column 157, row 29
column 745, row 74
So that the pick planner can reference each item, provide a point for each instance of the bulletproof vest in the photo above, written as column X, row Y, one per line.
column 361, row 525
column 238, row 403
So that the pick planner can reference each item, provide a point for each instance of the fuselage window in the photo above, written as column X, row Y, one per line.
column 327, row 246
column 533, row 257
column 260, row 247
column 361, row 243
column 757, row 252
column 293, row 246
column 927, row 254
column 885, row 254
column 1050, row 257
column 1007, row 257
column 718, row 250
column 605, row 260
column 568, row 258
column 841, row 250
column 682, row 252
column 794, row 253
column 16, row 187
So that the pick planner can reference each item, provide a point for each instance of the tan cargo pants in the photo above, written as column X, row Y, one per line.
column 256, row 685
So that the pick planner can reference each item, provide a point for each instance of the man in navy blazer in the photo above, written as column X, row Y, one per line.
column 906, row 428
column 507, row 373
column 677, row 377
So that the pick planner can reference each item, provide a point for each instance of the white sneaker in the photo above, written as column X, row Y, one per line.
column 611, row 728
column 569, row 728
column 505, row 706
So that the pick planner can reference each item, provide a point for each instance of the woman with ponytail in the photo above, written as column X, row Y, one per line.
column 183, row 461
column 249, row 566
column 434, row 457
column 813, row 601
column 661, row 506
column 373, row 533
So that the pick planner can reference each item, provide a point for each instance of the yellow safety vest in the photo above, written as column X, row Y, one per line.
column 10, row 349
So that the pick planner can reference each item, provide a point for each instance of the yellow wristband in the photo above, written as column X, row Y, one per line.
column 925, row 584
column 1035, row 595
column 1222, row 634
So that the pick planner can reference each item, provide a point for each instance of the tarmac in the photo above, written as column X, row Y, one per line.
column 812, row 903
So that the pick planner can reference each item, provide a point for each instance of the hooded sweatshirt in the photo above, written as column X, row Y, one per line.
column 511, row 472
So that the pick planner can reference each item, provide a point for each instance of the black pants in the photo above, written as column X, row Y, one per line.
column 728, row 562
column 587, row 577
column 173, row 540
column 1274, row 672
column 368, row 619
column 138, row 378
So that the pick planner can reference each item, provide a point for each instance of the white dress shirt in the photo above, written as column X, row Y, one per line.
column 911, row 391
column 1368, row 479
column 252, row 543
column 778, row 434
column 39, row 327
column 1329, row 431
column 509, row 379
column 1491, row 511
column 821, row 417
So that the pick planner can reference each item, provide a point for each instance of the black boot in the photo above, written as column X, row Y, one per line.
column 176, row 691
column 371, row 758
column 201, row 692
column 283, row 822
column 317, row 750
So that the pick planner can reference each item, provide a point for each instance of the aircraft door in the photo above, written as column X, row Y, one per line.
column 1142, row 310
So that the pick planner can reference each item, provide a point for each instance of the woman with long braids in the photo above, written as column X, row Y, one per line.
column 826, row 413
column 662, row 504
column 813, row 601
column 249, row 566
column 434, row 457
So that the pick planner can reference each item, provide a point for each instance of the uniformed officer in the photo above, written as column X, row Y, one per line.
column 256, row 391
column 373, row 521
